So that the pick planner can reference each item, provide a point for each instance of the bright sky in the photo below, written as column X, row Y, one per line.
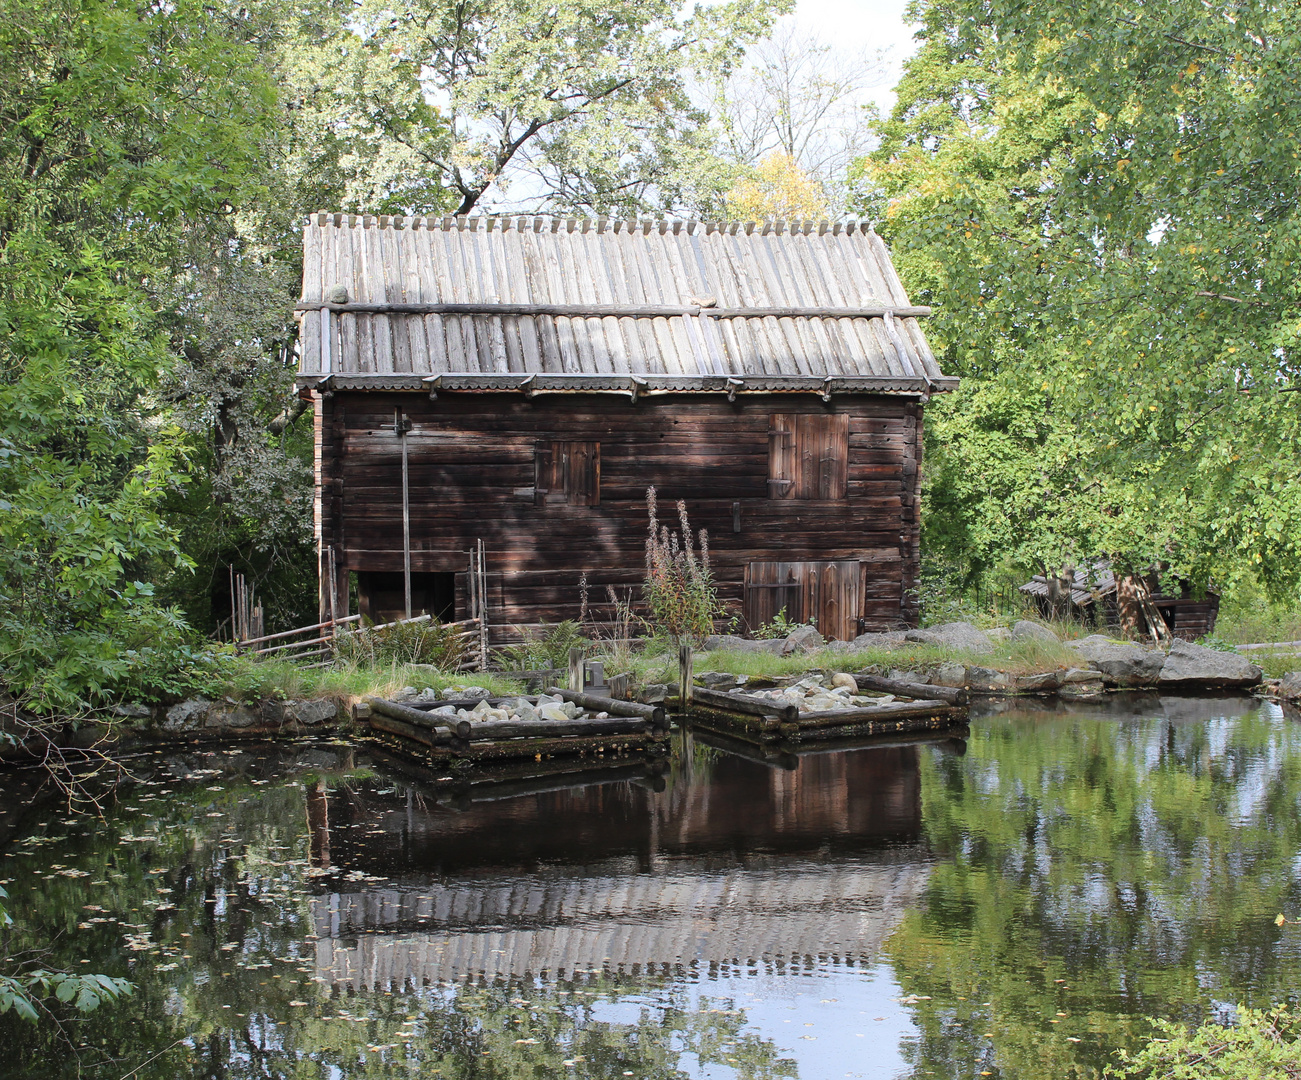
column 862, row 24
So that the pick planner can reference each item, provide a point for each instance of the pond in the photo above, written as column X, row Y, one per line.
column 1012, row 906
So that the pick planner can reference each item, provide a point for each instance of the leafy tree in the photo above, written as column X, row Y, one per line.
column 1098, row 201
column 777, row 188
column 121, row 124
column 794, row 99
column 437, row 107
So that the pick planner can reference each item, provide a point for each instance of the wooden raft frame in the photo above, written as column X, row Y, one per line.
column 434, row 738
column 760, row 721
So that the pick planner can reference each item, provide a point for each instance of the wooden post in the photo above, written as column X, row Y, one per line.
column 576, row 670
column 334, row 592
column 483, row 607
column 234, row 609
column 401, row 424
column 685, row 675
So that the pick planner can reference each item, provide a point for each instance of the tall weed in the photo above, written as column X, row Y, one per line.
column 679, row 588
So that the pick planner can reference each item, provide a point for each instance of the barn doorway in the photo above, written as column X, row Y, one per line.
column 381, row 595
column 826, row 594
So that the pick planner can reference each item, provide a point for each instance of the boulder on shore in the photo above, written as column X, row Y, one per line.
column 801, row 640
column 954, row 635
column 1290, row 688
column 1197, row 667
column 1024, row 628
column 889, row 639
column 1122, row 663
column 732, row 643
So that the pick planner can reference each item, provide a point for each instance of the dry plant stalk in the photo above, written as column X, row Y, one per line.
column 679, row 587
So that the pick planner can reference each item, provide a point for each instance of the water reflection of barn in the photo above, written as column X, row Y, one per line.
column 756, row 865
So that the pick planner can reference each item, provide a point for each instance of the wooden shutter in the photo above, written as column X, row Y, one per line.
column 781, row 456
column 808, row 456
column 832, row 440
column 582, row 473
column 544, row 475
column 567, row 472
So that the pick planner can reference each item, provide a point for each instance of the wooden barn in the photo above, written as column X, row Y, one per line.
column 501, row 392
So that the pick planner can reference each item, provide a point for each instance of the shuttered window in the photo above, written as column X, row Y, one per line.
column 567, row 472
column 808, row 456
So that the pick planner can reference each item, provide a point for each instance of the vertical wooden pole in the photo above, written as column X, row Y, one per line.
column 401, row 424
column 334, row 590
column 685, row 675
column 576, row 669
column 483, row 607
column 234, row 608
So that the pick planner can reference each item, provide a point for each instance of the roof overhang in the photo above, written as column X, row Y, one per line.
column 633, row 386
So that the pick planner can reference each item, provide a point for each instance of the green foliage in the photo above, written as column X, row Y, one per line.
column 1098, row 202
column 679, row 588
column 1261, row 1045
column 402, row 643
column 22, row 992
column 780, row 627
column 429, row 106
column 121, row 125
column 546, row 646
column 1248, row 614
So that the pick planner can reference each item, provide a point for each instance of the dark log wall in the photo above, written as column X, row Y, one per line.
column 472, row 471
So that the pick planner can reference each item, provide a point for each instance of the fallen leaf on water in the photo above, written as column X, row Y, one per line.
column 1280, row 920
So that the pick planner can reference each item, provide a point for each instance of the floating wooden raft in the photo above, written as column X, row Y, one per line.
column 431, row 736
column 761, row 720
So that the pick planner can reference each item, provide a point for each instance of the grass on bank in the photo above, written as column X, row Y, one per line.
column 349, row 680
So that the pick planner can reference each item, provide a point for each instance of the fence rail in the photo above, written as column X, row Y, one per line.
column 320, row 639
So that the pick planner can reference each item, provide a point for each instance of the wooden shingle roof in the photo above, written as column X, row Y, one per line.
column 589, row 304
column 392, row 937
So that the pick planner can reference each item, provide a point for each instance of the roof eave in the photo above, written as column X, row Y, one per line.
column 633, row 386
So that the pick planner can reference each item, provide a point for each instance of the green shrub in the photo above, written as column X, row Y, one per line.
column 780, row 627
column 403, row 643
column 544, row 646
column 1262, row 1045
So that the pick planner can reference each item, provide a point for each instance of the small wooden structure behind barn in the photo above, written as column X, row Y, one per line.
column 1094, row 597
column 523, row 381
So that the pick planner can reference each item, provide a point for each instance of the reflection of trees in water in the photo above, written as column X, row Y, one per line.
column 1103, row 870
column 201, row 898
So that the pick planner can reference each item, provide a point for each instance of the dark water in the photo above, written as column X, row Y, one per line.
column 1015, row 910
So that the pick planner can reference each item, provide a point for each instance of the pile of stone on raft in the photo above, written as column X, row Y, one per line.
column 523, row 708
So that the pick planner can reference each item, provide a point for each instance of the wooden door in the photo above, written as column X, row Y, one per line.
column 826, row 594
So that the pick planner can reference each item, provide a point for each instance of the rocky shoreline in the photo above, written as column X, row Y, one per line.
column 1097, row 665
